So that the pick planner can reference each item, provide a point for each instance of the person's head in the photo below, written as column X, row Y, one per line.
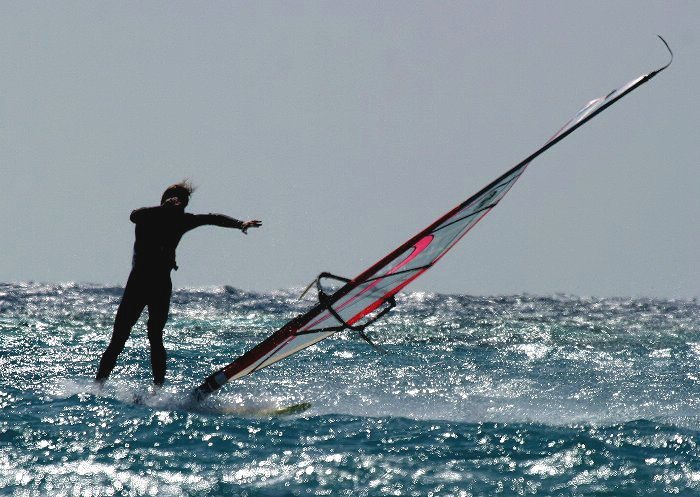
column 181, row 191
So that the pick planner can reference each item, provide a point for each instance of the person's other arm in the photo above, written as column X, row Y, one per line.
column 145, row 214
column 154, row 213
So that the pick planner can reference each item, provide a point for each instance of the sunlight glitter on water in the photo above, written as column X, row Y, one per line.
column 477, row 395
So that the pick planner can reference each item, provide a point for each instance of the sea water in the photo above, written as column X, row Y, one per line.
column 506, row 395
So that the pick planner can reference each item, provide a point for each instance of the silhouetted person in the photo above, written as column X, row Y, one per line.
column 158, row 231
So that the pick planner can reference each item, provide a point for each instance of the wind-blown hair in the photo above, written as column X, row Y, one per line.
column 182, row 190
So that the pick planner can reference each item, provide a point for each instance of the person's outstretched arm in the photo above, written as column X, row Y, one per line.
column 223, row 221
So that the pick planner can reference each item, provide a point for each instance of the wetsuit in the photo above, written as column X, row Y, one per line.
column 158, row 232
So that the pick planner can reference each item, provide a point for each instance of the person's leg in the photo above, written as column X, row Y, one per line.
column 130, row 308
column 158, row 308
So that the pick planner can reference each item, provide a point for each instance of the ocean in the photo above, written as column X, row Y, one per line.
column 476, row 396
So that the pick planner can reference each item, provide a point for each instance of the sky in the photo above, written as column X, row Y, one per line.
column 347, row 127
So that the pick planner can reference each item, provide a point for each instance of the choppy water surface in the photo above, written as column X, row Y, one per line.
column 517, row 395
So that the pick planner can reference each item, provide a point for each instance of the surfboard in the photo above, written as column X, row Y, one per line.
column 265, row 412
column 148, row 399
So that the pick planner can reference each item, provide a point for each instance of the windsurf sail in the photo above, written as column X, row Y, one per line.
column 362, row 300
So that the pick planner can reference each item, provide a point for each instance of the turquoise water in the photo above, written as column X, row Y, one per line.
column 515, row 395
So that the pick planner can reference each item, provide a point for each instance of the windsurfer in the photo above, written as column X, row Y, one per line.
column 157, row 233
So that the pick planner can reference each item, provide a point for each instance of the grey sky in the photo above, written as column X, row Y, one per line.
column 347, row 127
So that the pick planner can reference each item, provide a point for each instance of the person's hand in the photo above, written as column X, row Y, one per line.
column 172, row 202
column 250, row 224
